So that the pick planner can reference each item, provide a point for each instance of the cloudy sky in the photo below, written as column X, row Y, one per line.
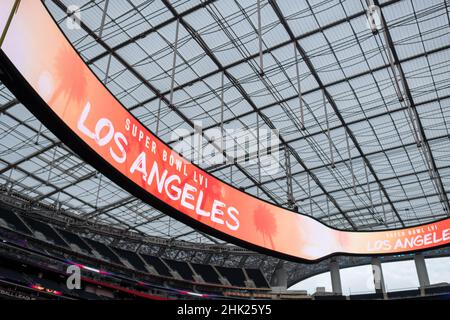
column 397, row 276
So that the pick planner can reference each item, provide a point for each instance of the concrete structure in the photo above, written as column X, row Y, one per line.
column 336, row 283
column 378, row 278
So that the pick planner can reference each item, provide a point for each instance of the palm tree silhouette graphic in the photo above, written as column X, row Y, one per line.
column 265, row 223
column 70, row 78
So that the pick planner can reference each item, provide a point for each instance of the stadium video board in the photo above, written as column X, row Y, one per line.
column 40, row 66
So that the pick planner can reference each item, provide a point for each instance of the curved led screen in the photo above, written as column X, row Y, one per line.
column 44, row 71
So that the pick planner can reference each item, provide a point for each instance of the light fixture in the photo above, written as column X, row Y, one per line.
column 373, row 17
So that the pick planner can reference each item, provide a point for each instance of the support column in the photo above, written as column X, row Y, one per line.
column 335, row 273
column 378, row 278
column 278, row 282
column 422, row 272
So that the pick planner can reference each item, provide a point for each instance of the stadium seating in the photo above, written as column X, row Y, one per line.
column 49, row 284
column 206, row 272
column 122, row 259
column 437, row 289
column 236, row 276
column 257, row 277
column 14, row 221
column 182, row 268
column 39, row 282
column 12, row 275
column 330, row 297
column 72, row 238
column 404, row 293
column 104, row 250
column 46, row 230
column 157, row 264
column 366, row 296
column 132, row 258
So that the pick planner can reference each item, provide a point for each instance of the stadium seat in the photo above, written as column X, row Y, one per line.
column 12, row 275
column 104, row 250
column 404, row 293
column 157, row 264
column 257, row 277
column 182, row 268
column 437, row 289
column 72, row 238
column 236, row 276
column 46, row 230
column 206, row 272
column 14, row 222
column 132, row 258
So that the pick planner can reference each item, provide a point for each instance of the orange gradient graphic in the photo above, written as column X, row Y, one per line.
column 38, row 49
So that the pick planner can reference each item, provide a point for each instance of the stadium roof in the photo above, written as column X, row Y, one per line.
column 365, row 160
